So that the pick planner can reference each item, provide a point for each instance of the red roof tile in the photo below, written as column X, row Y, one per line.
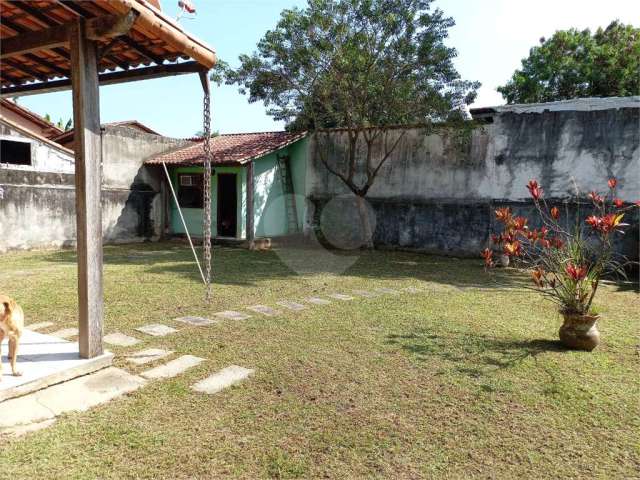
column 234, row 148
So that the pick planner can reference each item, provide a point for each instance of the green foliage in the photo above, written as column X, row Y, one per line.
column 576, row 63
column 355, row 64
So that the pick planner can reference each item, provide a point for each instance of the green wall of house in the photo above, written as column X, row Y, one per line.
column 270, row 218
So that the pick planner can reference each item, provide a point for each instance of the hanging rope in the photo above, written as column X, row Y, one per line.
column 206, row 216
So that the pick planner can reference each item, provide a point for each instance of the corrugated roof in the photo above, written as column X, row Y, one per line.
column 230, row 149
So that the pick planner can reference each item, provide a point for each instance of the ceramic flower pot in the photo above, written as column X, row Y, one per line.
column 580, row 332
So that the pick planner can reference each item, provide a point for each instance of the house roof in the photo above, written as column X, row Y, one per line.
column 66, row 137
column 576, row 104
column 30, row 133
column 154, row 37
column 229, row 149
column 48, row 127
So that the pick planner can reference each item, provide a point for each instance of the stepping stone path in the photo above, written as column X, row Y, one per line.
column 318, row 301
column 223, row 379
column 156, row 330
column 148, row 355
column 408, row 262
column 173, row 368
column 264, row 310
column 340, row 296
column 66, row 333
column 232, row 315
column 120, row 339
column 390, row 291
column 292, row 305
column 366, row 293
column 39, row 326
column 196, row 321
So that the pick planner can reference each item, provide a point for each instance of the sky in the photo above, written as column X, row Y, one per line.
column 491, row 37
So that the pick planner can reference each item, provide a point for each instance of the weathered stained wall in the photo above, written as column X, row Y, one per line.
column 438, row 189
column 38, row 208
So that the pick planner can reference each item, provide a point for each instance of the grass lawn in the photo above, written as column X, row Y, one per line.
column 463, row 380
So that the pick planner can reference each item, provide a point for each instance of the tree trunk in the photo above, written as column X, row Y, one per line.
column 365, row 222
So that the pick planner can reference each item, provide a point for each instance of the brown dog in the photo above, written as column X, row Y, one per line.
column 11, row 325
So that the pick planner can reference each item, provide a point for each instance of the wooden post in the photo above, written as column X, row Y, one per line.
column 88, row 173
column 249, row 226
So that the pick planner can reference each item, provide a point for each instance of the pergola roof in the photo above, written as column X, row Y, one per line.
column 153, row 39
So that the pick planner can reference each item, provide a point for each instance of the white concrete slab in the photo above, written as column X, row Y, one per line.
column 45, row 360
column 78, row 394
column 389, row 291
column 413, row 290
column 232, row 315
column 65, row 333
column 366, row 293
column 340, row 296
column 295, row 306
column 156, row 330
column 173, row 368
column 405, row 262
column 222, row 379
column 148, row 355
column 264, row 310
column 120, row 339
column 318, row 301
column 196, row 321
column 39, row 325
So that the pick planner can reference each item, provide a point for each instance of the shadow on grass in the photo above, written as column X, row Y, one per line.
column 470, row 354
column 236, row 266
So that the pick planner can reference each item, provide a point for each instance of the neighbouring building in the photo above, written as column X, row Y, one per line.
column 258, row 186
column 37, row 182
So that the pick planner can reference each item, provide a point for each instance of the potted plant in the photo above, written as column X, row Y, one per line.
column 566, row 264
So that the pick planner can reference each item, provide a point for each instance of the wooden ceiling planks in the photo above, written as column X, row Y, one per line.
column 153, row 39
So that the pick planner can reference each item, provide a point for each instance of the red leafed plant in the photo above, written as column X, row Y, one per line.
column 565, row 265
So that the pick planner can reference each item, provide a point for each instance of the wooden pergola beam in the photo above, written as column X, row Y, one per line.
column 88, row 180
column 98, row 28
column 112, row 78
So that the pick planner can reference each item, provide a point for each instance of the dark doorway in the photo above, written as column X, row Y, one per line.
column 227, row 204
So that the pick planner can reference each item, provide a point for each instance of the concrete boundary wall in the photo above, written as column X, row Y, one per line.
column 38, row 208
column 438, row 190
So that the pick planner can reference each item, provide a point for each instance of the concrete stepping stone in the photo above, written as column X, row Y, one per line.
column 389, row 291
column 39, row 326
column 366, row 293
column 222, row 379
column 232, row 315
column 120, row 339
column 78, row 394
column 264, row 310
column 340, row 296
column 196, row 321
column 173, row 368
column 148, row 355
column 405, row 262
column 291, row 305
column 65, row 333
column 318, row 301
column 413, row 290
column 156, row 330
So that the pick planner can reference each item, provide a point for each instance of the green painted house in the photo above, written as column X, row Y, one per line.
column 257, row 187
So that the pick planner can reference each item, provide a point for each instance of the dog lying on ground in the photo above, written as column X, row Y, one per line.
column 11, row 325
